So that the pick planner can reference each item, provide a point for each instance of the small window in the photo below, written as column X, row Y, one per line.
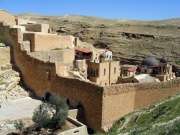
column 145, row 70
column 164, row 69
column 110, row 57
column 114, row 70
column 96, row 72
column 107, row 56
column 104, row 71
column 160, row 69
column 91, row 71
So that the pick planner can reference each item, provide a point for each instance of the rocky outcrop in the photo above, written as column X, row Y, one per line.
column 9, row 86
column 137, row 36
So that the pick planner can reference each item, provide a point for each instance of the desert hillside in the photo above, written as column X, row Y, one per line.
column 130, row 40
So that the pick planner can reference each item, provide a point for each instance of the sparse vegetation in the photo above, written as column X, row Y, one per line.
column 162, row 119
column 178, row 62
column 19, row 125
column 51, row 113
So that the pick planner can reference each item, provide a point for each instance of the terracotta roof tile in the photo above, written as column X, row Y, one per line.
column 85, row 50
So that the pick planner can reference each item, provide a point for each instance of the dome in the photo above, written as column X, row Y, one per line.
column 103, row 55
column 164, row 60
column 150, row 61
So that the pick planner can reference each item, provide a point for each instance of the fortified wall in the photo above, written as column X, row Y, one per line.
column 102, row 105
column 41, row 77
column 43, row 41
column 122, row 99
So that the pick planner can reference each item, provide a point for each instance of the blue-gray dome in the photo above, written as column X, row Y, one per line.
column 164, row 60
column 150, row 61
column 103, row 55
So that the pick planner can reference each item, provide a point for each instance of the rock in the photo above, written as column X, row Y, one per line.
column 2, row 87
column 7, row 127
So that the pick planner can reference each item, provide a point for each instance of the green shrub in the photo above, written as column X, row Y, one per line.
column 19, row 125
column 52, row 113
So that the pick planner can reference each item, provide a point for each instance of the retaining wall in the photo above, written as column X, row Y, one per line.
column 102, row 105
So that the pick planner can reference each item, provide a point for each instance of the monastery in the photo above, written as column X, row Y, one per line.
column 90, row 78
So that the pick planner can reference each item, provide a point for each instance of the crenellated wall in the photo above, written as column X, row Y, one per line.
column 102, row 105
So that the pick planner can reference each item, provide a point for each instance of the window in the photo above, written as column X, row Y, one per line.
column 114, row 70
column 164, row 69
column 110, row 57
column 126, row 73
column 159, row 69
column 107, row 56
column 91, row 71
column 96, row 72
column 104, row 71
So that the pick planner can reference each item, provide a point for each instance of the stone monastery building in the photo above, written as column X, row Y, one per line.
column 90, row 78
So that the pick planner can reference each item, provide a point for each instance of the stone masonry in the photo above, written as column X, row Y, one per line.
column 102, row 105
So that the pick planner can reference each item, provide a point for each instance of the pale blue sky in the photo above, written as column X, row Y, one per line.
column 121, row 9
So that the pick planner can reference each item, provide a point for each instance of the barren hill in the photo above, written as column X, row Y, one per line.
column 131, row 40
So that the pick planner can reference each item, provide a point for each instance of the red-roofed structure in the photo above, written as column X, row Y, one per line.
column 84, row 50
column 83, row 53
column 131, row 69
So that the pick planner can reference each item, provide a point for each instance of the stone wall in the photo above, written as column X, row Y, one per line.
column 44, row 42
column 118, row 100
column 48, row 56
column 148, row 93
column 37, row 27
column 121, row 99
column 102, row 105
column 7, row 17
column 41, row 77
column 22, row 21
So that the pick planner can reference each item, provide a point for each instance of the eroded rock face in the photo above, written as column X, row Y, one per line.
column 9, row 86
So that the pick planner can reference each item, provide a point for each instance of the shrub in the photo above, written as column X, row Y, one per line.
column 51, row 113
column 19, row 125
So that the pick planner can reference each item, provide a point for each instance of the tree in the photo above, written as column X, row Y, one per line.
column 52, row 113
column 19, row 125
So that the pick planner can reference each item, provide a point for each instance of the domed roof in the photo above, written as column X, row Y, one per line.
column 103, row 55
column 164, row 60
column 150, row 61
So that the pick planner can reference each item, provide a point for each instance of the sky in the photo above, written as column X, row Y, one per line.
column 115, row 9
